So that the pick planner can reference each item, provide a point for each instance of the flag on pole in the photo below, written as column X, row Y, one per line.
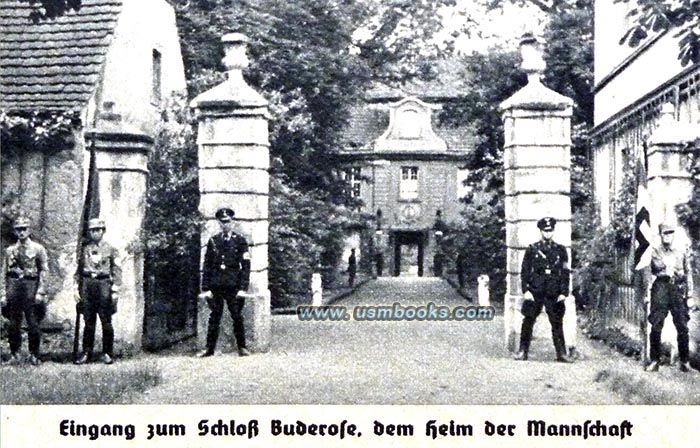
column 641, row 247
column 642, row 228
column 91, row 209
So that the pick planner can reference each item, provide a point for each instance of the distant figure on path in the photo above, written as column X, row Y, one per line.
column 379, row 260
column 671, row 291
column 545, row 283
column 225, row 273
column 352, row 268
column 25, row 268
column 461, row 269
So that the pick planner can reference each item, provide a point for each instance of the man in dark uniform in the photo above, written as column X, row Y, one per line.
column 545, row 283
column 225, row 273
column 352, row 268
column 25, row 269
column 461, row 268
column 379, row 260
column 671, row 291
column 99, row 280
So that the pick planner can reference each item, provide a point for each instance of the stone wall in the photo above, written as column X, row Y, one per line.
column 48, row 188
column 437, row 190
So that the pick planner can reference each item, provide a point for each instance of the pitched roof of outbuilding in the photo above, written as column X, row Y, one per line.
column 367, row 122
column 54, row 64
column 369, row 119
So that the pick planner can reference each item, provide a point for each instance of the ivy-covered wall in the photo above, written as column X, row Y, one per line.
column 43, row 181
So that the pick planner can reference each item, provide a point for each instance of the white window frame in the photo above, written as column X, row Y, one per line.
column 353, row 176
column 408, row 184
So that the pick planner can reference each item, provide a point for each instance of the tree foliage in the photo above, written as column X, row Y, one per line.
column 688, row 213
column 172, row 221
column 49, row 9
column 312, row 64
column 650, row 17
column 305, row 237
column 491, row 79
column 647, row 18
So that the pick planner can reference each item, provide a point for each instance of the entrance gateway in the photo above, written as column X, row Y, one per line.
column 409, row 252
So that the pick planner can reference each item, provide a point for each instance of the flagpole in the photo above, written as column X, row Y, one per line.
column 641, row 247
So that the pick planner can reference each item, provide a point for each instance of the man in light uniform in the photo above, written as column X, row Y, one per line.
column 25, row 269
column 99, row 282
column 671, row 291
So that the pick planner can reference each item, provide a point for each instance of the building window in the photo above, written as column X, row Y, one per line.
column 156, row 82
column 408, row 188
column 353, row 177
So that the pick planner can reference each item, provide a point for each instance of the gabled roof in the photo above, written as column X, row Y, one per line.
column 368, row 122
column 54, row 64
column 369, row 119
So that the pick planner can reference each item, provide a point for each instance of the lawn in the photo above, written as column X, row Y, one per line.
column 62, row 383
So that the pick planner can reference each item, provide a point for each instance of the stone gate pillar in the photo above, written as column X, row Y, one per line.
column 234, row 159
column 537, row 179
column 121, row 152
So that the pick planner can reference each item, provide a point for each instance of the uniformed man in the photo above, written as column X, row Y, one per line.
column 545, row 283
column 352, row 268
column 100, row 281
column 671, row 291
column 461, row 268
column 25, row 269
column 225, row 273
column 379, row 260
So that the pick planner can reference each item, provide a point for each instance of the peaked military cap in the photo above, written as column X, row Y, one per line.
column 21, row 221
column 547, row 224
column 225, row 214
column 666, row 228
column 96, row 224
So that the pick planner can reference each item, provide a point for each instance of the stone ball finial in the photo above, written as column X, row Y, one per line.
column 235, row 46
column 532, row 53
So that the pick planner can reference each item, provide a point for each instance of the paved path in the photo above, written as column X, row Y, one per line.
column 386, row 362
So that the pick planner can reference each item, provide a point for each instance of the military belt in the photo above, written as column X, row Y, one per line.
column 16, row 276
column 95, row 276
column 669, row 279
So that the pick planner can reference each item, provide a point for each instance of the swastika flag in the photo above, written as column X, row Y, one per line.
column 642, row 229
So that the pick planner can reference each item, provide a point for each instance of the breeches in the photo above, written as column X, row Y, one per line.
column 665, row 297
column 97, row 299
column 21, row 295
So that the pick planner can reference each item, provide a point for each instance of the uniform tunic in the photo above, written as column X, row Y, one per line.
column 25, row 268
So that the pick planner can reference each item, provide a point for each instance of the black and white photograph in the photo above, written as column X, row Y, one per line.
column 423, row 215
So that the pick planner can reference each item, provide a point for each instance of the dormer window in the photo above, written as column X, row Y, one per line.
column 409, row 123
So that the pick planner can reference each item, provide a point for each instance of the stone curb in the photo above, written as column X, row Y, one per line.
column 331, row 300
column 459, row 291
